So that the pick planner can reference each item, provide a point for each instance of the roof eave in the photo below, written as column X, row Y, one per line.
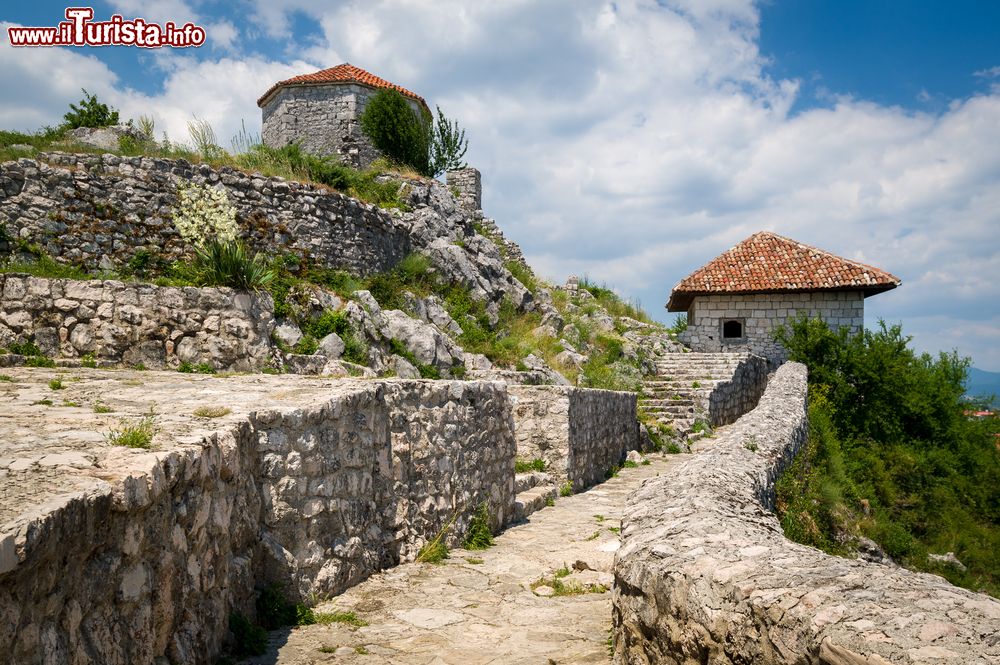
column 680, row 301
column 267, row 96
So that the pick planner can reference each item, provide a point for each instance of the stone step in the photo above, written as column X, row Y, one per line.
column 525, row 481
column 533, row 499
column 667, row 402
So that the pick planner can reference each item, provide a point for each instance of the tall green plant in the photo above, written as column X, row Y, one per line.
column 397, row 130
column 448, row 145
column 229, row 263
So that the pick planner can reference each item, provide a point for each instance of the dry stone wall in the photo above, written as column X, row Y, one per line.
column 738, row 393
column 468, row 185
column 134, row 324
column 580, row 433
column 705, row 574
column 99, row 211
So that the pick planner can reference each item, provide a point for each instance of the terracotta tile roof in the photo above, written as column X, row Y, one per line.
column 345, row 73
column 768, row 263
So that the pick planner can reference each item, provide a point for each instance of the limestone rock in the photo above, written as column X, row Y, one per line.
column 105, row 138
column 288, row 333
column 331, row 346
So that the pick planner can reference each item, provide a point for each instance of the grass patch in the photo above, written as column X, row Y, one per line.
column 88, row 360
column 42, row 402
column 138, row 434
column 629, row 464
column 6, row 378
column 212, row 411
column 436, row 551
column 70, row 403
column 56, row 384
column 480, row 533
column 566, row 489
column 102, row 408
column 346, row 618
column 190, row 368
column 595, row 535
column 474, row 560
column 525, row 466
column 562, row 588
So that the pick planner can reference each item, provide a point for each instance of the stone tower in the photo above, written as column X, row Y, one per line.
column 321, row 111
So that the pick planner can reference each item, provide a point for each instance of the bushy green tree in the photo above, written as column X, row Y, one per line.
column 90, row 113
column 397, row 130
column 448, row 145
column 892, row 455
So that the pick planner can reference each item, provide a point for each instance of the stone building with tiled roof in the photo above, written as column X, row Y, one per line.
column 321, row 112
column 735, row 302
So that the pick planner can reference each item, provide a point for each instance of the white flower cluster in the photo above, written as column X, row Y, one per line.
column 204, row 213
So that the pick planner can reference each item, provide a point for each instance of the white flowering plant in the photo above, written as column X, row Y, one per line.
column 203, row 214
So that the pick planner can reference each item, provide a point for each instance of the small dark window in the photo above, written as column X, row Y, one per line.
column 732, row 329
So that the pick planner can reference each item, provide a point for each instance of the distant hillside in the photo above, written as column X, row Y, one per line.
column 982, row 383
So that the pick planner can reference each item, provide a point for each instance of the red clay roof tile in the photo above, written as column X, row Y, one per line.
column 345, row 73
column 768, row 263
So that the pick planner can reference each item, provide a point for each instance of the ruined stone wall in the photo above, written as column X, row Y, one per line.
column 468, row 185
column 740, row 392
column 137, row 323
column 761, row 313
column 362, row 484
column 580, row 433
column 150, row 556
column 705, row 574
column 100, row 211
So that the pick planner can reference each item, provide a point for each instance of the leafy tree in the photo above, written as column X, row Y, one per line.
column 448, row 145
column 402, row 134
column 90, row 113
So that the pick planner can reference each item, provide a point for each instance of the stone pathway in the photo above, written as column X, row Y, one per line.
column 479, row 607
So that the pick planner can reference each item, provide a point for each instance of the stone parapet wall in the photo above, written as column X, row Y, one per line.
column 361, row 484
column 138, row 555
column 580, row 433
column 739, row 393
column 100, row 211
column 705, row 574
column 137, row 323
column 761, row 313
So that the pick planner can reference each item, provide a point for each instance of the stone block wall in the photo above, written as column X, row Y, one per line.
column 137, row 323
column 580, row 433
column 324, row 119
column 761, row 313
column 468, row 183
column 363, row 483
column 739, row 393
column 100, row 211
column 704, row 573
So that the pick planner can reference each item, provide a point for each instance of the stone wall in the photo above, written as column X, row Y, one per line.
column 324, row 119
column 149, row 557
column 739, row 393
column 705, row 574
column 362, row 484
column 580, row 433
column 760, row 313
column 99, row 211
column 468, row 183
column 137, row 323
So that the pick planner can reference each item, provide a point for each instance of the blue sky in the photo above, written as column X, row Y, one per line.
column 633, row 141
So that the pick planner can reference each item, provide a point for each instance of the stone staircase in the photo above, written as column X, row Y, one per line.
column 533, row 491
column 680, row 393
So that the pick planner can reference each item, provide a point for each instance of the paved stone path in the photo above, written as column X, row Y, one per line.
column 479, row 607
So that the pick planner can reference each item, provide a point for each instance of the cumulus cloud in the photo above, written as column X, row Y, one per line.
column 633, row 141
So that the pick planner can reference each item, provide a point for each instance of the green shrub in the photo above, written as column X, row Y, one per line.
column 273, row 611
column 137, row 434
column 524, row 466
column 566, row 489
column 90, row 113
column 230, row 264
column 480, row 533
column 397, row 130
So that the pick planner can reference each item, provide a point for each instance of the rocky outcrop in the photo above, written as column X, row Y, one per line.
column 705, row 574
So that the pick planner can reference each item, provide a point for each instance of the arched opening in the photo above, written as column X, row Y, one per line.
column 732, row 329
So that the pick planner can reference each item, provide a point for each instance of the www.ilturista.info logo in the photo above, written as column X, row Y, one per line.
column 79, row 30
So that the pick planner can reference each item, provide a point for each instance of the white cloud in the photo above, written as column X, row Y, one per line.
column 635, row 141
